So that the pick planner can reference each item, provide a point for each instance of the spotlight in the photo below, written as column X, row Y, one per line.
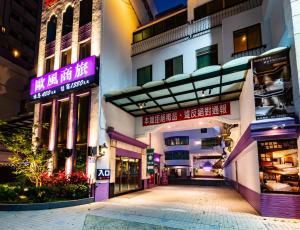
column 275, row 127
column 142, row 105
column 209, row 91
column 203, row 93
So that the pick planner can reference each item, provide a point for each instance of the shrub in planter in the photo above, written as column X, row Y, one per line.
column 76, row 191
column 8, row 194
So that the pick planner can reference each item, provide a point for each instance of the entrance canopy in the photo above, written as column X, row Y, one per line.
column 207, row 85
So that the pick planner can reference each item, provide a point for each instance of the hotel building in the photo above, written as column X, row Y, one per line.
column 205, row 90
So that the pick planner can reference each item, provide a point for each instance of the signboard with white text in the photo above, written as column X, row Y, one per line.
column 211, row 110
column 71, row 77
column 103, row 174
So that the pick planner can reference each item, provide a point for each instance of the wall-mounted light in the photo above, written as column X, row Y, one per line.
column 203, row 93
column 142, row 105
column 209, row 91
column 102, row 150
column 16, row 53
column 3, row 29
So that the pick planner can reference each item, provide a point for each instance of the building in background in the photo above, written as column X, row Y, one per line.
column 117, row 94
column 19, row 35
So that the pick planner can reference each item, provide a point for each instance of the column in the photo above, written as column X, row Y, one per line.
column 57, row 53
column 75, row 44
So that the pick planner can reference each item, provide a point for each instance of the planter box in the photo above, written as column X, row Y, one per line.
column 42, row 206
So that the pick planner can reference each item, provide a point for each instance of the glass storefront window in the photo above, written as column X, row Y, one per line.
column 127, row 174
column 46, row 120
column 62, row 129
column 83, row 107
column 171, row 141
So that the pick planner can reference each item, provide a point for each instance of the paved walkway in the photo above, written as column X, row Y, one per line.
column 171, row 207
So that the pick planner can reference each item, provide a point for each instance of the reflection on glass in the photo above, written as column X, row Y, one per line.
column 63, row 118
column 82, row 132
column 46, row 120
column 127, row 174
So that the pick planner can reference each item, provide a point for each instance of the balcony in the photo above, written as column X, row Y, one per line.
column 193, row 29
column 85, row 32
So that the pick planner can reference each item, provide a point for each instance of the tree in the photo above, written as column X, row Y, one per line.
column 29, row 159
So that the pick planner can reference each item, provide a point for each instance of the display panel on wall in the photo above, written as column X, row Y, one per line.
column 72, row 77
column 273, row 91
column 279, row 166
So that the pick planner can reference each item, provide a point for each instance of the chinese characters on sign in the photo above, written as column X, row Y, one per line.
column 103, row 174
column 219, row 109
column 70, row 77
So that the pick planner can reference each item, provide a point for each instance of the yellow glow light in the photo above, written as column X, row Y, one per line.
column 16, row 53
column 244, row 38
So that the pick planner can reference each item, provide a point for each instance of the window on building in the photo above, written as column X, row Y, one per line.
column 208, row 9
column 171, row 141
column 177, row 155
column 229, row 3
column 46, row 120
column 85, row 50
column 247, row 38
column 174, row 66
column 208, row 143
column 160, row 27
column 203, row 130
column 51, row 30
column 66, row 57
column 67, row 21
column 207, row 56
column 62, row 130
column 83, row 106
column 86, row 7
column 49, row 66
column 144, row 75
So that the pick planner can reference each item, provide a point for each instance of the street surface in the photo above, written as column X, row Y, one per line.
column 165, row 207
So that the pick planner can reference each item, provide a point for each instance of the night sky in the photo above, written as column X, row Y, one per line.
column 163, row 5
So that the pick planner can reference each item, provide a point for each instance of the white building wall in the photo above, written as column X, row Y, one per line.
column 158, row 56
column 247, row 168
column 240, row 21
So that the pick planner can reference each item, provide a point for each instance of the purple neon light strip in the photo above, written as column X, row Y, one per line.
column 87, row 71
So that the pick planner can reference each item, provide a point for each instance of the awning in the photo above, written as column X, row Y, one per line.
column 24, row 121
column 207, row 85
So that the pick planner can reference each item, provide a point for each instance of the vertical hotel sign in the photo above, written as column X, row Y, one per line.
column 273, row 90
column 71, row 77
column 150, row 161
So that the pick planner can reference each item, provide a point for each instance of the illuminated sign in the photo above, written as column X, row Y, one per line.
column 103, row 174
column 212, row 110
column 70, row 77
column 49, row 3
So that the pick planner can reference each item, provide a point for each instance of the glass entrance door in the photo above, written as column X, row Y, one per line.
column 127, row 174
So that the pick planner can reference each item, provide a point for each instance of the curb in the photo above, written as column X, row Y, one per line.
column 43, row 206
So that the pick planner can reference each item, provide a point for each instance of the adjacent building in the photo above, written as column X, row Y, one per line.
column 19, row 35
column 207, row 89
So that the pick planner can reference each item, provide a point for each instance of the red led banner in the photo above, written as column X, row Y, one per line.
column 212, row 110
column 50, row 2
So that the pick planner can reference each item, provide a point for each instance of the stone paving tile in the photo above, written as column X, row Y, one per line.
column 168, row 207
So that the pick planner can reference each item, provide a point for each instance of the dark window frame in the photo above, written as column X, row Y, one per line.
column 63, row 61
column 47, row 70
column 247, row 29
column 86, row 17
column 85, row 55
column 68, row 19
column 139, row 82
column 209, row 50
column 51, row 30
column 168, row 62
column 183, row 140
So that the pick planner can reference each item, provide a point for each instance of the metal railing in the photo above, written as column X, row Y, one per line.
column 251, row 52
column 193, row 29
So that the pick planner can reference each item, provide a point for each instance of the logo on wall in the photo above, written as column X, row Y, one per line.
column 211, row 110
column 273, row 90
column 103, row 174
column 150, row 161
